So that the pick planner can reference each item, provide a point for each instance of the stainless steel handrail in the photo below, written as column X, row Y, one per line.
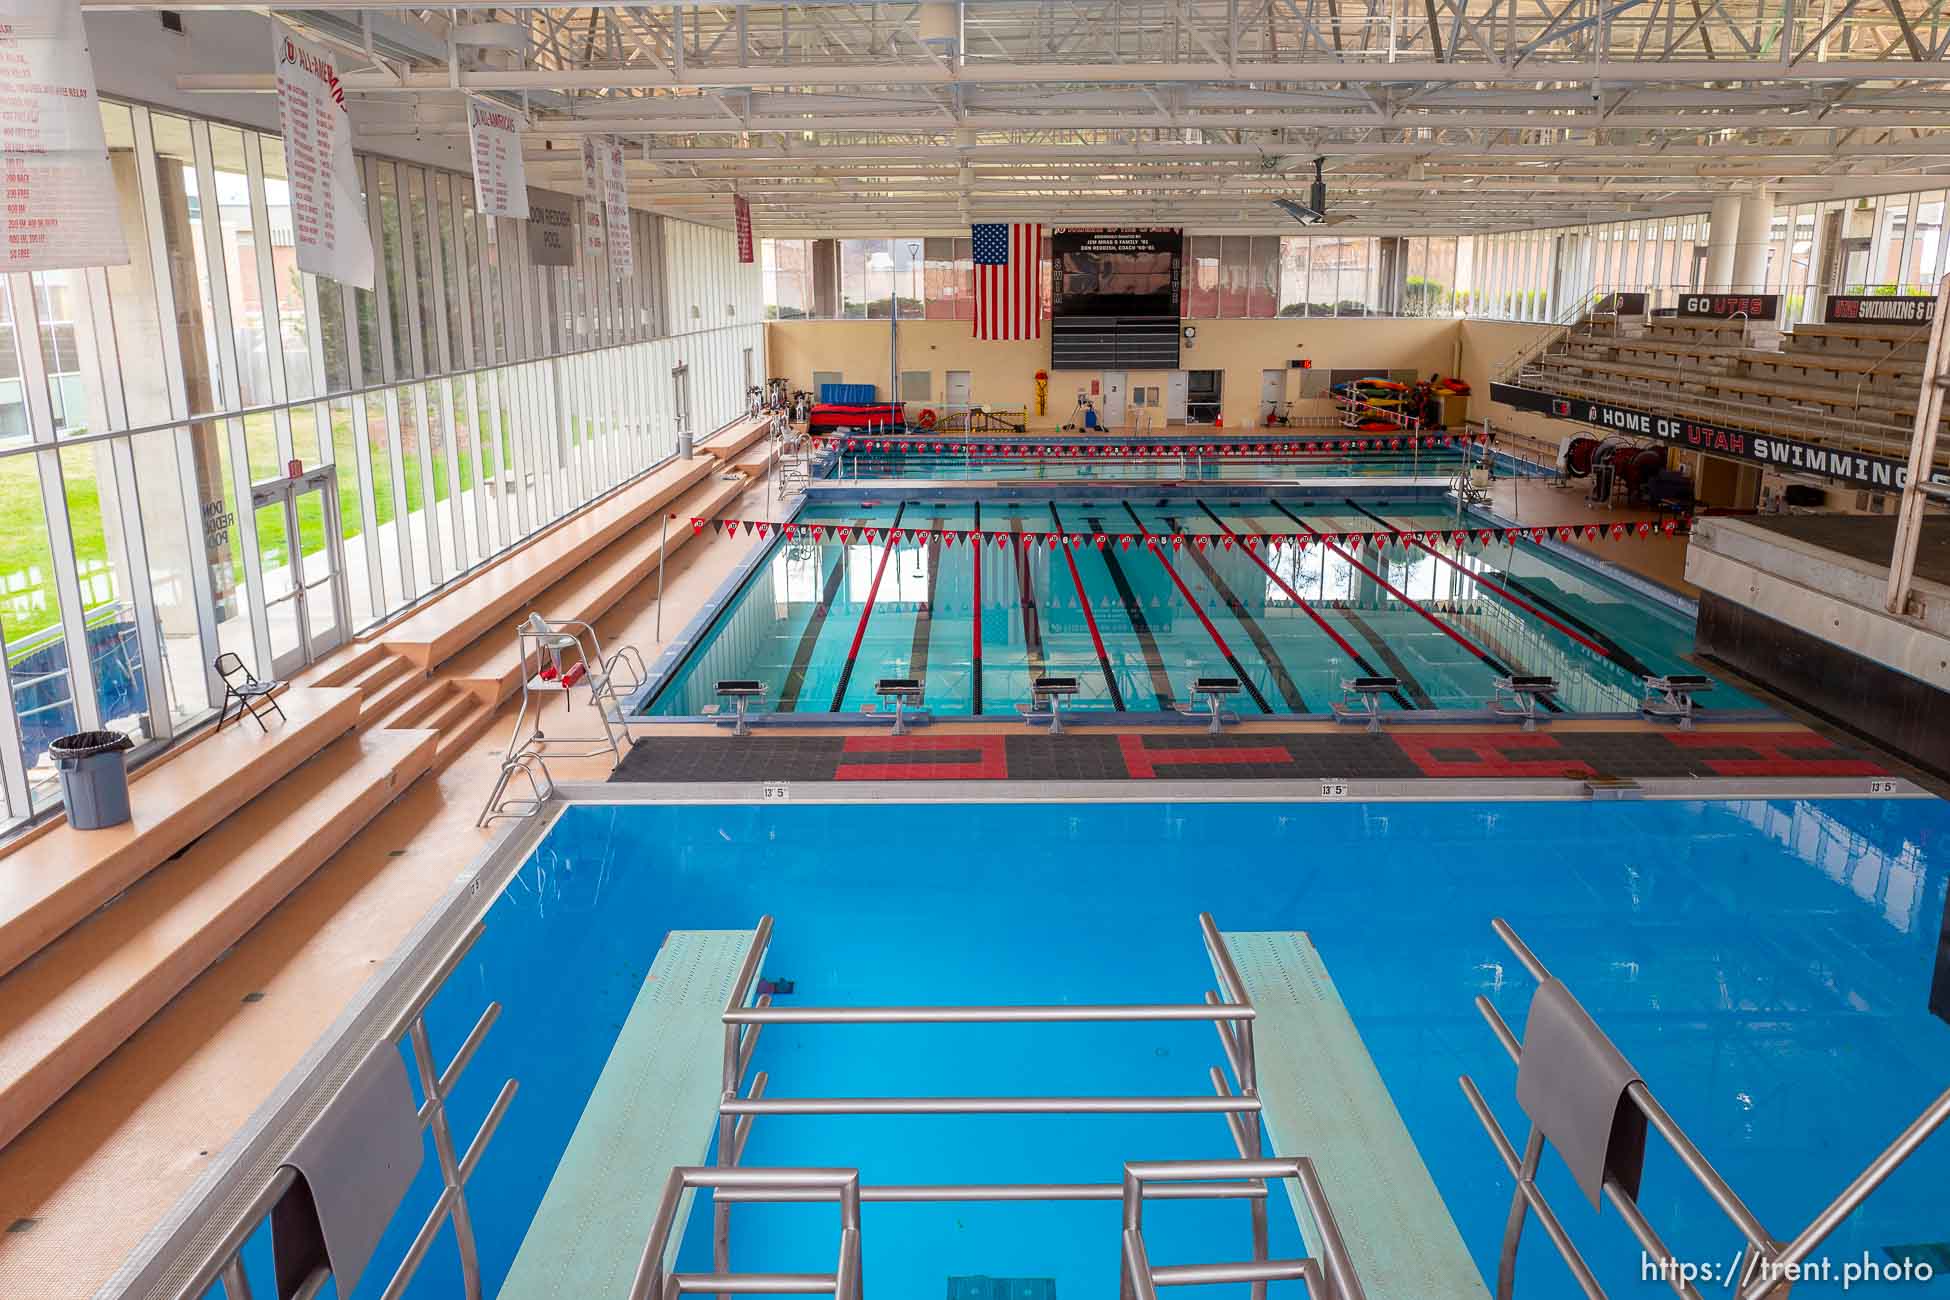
column 653, row 1281
column 1329, row 1277
column 224, row 1260
column 1768, row 1263
column 1229, row 1011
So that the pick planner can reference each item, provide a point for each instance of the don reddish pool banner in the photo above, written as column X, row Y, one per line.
column 1789, row 455
column 328, row 216
column 59, row 208
column 500, row 179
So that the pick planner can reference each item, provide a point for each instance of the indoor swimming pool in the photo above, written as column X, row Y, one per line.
column 819, row 620
column 1765, row 965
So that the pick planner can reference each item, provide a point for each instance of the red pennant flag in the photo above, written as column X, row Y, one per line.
column 697, row 525
column 1618, row 532
column 1591, row 532
column 1052, row 539
column 1225, row 541
column 1645, row 528
column 1669, row 527
column 819, row 532
column 791, row 531
column 1178, row 541
column 1459, row 538
column 1100, row 540
column 1201, row 540
column 948, row 536
column 1485, row 536
column 1539, row 534
column 1250, row 542
column 1123, row 541
column 845, row 535
column 761, row 530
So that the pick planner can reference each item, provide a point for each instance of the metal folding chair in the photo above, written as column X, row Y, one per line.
column 252, row 696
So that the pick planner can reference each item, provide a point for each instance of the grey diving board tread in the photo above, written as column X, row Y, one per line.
column 655, row 1106
column 1324, row 1099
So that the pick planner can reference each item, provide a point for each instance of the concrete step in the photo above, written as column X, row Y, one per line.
column 81, row 997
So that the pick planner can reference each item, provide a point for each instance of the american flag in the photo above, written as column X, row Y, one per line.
column 1008, row 280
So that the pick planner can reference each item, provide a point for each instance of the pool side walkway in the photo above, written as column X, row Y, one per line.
column 1588, row 752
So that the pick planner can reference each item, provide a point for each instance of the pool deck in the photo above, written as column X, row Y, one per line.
column 82, row 1186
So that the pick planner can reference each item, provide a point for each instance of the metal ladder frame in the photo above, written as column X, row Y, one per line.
column 1769, row 1265
column 1230, row 1012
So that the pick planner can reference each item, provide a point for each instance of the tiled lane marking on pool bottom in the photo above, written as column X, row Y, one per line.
column 1403, row 754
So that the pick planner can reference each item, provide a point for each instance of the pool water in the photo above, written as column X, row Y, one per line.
column 1765, row 964
column 821, row 621
column 854, row 466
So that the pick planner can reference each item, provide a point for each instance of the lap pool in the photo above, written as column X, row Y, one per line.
column 1765, row 963
column 820, row 617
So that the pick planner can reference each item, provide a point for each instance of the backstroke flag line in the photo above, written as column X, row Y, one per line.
column 1008, row 280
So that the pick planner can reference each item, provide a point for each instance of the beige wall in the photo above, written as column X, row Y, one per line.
column 1004, row 374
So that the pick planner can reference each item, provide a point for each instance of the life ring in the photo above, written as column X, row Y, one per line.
column 927, row 417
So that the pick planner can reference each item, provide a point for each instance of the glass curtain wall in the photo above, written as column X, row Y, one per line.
column 466, row 401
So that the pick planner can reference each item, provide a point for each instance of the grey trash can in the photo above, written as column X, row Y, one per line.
column 685, row 444
column 94, row 778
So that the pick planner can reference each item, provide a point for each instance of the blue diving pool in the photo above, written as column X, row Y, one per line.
column 823, row 616
column 1766, row 964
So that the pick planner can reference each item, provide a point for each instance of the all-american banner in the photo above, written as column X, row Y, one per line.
column 1008, row 280
column 328, row 216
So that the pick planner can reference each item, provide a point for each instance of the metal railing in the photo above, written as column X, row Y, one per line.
column 1330, row 1277
column 1227, row 1008
column 1769, row 1265
column 224, row 1260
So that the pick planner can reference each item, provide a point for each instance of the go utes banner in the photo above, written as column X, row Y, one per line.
column 1404, row 539
column 328, row 218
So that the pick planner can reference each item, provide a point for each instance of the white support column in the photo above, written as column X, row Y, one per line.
column 1722, row 239
column 1751, row 242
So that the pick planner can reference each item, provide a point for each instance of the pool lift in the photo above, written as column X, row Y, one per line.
column 556, row 657
column 1583, row 1098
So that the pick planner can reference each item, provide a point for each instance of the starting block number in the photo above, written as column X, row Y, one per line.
column 1333, row 789
column 1882, row 786
column 775, row 790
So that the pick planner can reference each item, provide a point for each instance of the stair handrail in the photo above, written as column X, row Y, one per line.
column 1560, row 327
column 1767, row 1264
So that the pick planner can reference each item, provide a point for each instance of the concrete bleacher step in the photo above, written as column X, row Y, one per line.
column 55, row 879
column 408, row 709
column 63, row 1012
column 385, row 667
column 341, row 668
column 462, row 729
column 395, row 691
column 492, row 599
column 491, row 668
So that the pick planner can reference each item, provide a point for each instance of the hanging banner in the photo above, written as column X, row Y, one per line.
column 595, row 225
column 1873, row 309
column 741, row 209
column 616, row 205
column 61, row 208
column 551, row 228
column 328, row 216
column 500, row 184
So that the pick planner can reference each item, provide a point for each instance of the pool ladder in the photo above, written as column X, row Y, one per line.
column 1767, row 1265
column 1327, row 1276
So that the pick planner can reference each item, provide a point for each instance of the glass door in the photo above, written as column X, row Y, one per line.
column 302, row 566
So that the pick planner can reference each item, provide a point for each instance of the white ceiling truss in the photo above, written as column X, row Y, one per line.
column 1433, row 115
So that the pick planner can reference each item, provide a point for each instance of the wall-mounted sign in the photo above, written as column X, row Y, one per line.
column 59, row 207
column 551, row 228
column 500, row 184
column 1726, row 306
column 1116, row 272
column 1789, row 455
column 1870, row 309
column 1622, row 304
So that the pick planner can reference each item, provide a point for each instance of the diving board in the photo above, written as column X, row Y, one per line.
column 655, row 1107
column 1324, row 1099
